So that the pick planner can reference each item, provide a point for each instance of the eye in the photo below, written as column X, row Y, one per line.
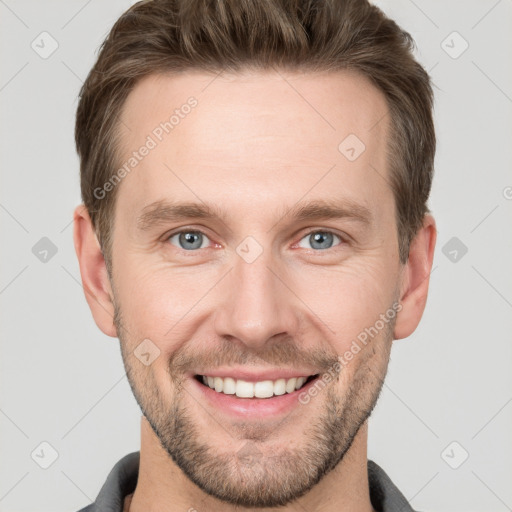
column 319, row 240
column 189, row 240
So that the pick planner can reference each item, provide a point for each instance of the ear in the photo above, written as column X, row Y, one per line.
column 95, row 280
column 415, row 279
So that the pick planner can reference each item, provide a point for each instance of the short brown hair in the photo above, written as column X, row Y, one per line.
column 158, row 36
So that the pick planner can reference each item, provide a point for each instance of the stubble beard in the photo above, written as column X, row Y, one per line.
column 260, row 474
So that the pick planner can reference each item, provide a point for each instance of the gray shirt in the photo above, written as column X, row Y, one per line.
column 121, row 481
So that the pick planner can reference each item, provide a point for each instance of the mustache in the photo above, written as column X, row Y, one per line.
column 221, row 353
column 280, row 351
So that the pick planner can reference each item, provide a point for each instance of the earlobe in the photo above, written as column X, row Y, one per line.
column 415, row 279
column 93, row 270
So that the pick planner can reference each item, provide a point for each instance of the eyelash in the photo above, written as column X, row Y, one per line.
column 343, row 240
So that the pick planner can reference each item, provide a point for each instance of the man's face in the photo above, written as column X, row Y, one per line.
column 260, row 287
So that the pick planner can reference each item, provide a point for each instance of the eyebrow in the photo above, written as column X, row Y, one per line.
column 165, row 211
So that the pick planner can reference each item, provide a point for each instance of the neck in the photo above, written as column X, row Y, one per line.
column 163, row 487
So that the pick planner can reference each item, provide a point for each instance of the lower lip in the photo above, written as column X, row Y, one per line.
column 252, row 407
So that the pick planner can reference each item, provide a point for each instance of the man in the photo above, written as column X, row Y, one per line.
column 255, row 232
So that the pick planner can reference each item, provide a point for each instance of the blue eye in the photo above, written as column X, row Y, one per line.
column 190, row 240
column 319, row 240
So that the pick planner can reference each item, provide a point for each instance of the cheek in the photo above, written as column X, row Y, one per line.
column 155, row 298
column 169, row 305
column 346, row 300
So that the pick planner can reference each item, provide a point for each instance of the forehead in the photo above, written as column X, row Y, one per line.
column 267, row 134
column 261, row 102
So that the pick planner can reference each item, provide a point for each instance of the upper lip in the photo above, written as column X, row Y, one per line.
column 255, row 375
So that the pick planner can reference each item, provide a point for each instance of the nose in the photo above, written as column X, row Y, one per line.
column 256, row 303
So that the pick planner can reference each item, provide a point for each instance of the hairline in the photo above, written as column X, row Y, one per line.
column 392, row 132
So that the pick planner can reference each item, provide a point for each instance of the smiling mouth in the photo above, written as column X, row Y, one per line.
column 261, row 389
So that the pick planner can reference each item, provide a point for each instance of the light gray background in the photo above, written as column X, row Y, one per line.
column 62, row 380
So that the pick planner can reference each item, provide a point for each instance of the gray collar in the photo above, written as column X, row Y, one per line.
column 121, row 481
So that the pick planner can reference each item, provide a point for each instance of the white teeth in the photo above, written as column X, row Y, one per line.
column 280, row 387
column 244, row 389
column 229, row 386
column 261, row 389
column 218, row 384
column 290, row 385
column 264, row 389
